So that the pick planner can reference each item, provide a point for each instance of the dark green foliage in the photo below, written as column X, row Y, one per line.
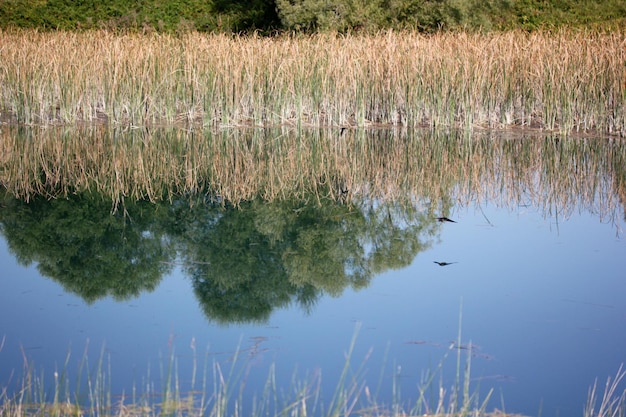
column 170, row 16
column 534, row 14
column 242, row 15
column 308, row 15
column 431, row 15
column 339, row 15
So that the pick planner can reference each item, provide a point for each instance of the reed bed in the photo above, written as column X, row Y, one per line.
column 235, row 165
column 569, row 80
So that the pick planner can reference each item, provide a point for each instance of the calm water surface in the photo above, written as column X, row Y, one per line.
column 540, row 298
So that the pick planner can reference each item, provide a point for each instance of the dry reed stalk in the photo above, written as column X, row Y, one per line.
column 567, row 80
column 243, row 164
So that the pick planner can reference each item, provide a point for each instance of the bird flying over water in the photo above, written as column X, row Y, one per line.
column 444, row 263
column 445, row 219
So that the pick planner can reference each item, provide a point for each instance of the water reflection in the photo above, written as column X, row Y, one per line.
column 445, row 168
column 79, row 243
column 243, row 262
column 256, row 222
column 260, row 219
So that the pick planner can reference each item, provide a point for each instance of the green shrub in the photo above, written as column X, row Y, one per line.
column 309, row 15
column 340, row 15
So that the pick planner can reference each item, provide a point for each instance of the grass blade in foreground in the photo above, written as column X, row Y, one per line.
column 351, row 395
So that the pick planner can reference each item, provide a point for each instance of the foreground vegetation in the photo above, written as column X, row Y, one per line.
column 565, row 80
column 308, row 15
column 218, row 390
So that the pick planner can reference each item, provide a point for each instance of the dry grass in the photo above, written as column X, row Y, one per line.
column 612, row 400
column 218, row 391
column 568, row 80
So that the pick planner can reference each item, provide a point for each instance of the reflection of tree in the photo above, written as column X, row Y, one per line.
column 237, row 276
column 78, row 242
column 243, row 262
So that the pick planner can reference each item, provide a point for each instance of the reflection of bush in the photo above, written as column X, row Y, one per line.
column 261, row 256
column 90, row 251
column 243, row 262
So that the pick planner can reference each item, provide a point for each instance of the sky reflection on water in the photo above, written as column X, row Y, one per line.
column 543, row 304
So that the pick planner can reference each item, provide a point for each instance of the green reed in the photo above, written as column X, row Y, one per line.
column 565, row 80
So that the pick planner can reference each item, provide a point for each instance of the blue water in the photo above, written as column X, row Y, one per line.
column 540, row 298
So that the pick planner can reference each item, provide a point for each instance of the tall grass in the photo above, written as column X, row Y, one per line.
column 553, row 174
column 218, row 390
column 612, row 401
column 566, row 80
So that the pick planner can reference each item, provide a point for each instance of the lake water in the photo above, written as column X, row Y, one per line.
column 536, row 290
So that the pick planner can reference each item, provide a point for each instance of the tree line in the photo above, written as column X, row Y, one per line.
column 275, row 16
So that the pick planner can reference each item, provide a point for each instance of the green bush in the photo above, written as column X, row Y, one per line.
column 338, row 15
column 309, row 15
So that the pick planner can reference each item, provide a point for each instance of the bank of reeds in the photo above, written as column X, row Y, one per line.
column 548, row 172
column 565, row 80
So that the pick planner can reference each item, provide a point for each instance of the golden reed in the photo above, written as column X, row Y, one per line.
column 569, row 80
column 235, row 165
